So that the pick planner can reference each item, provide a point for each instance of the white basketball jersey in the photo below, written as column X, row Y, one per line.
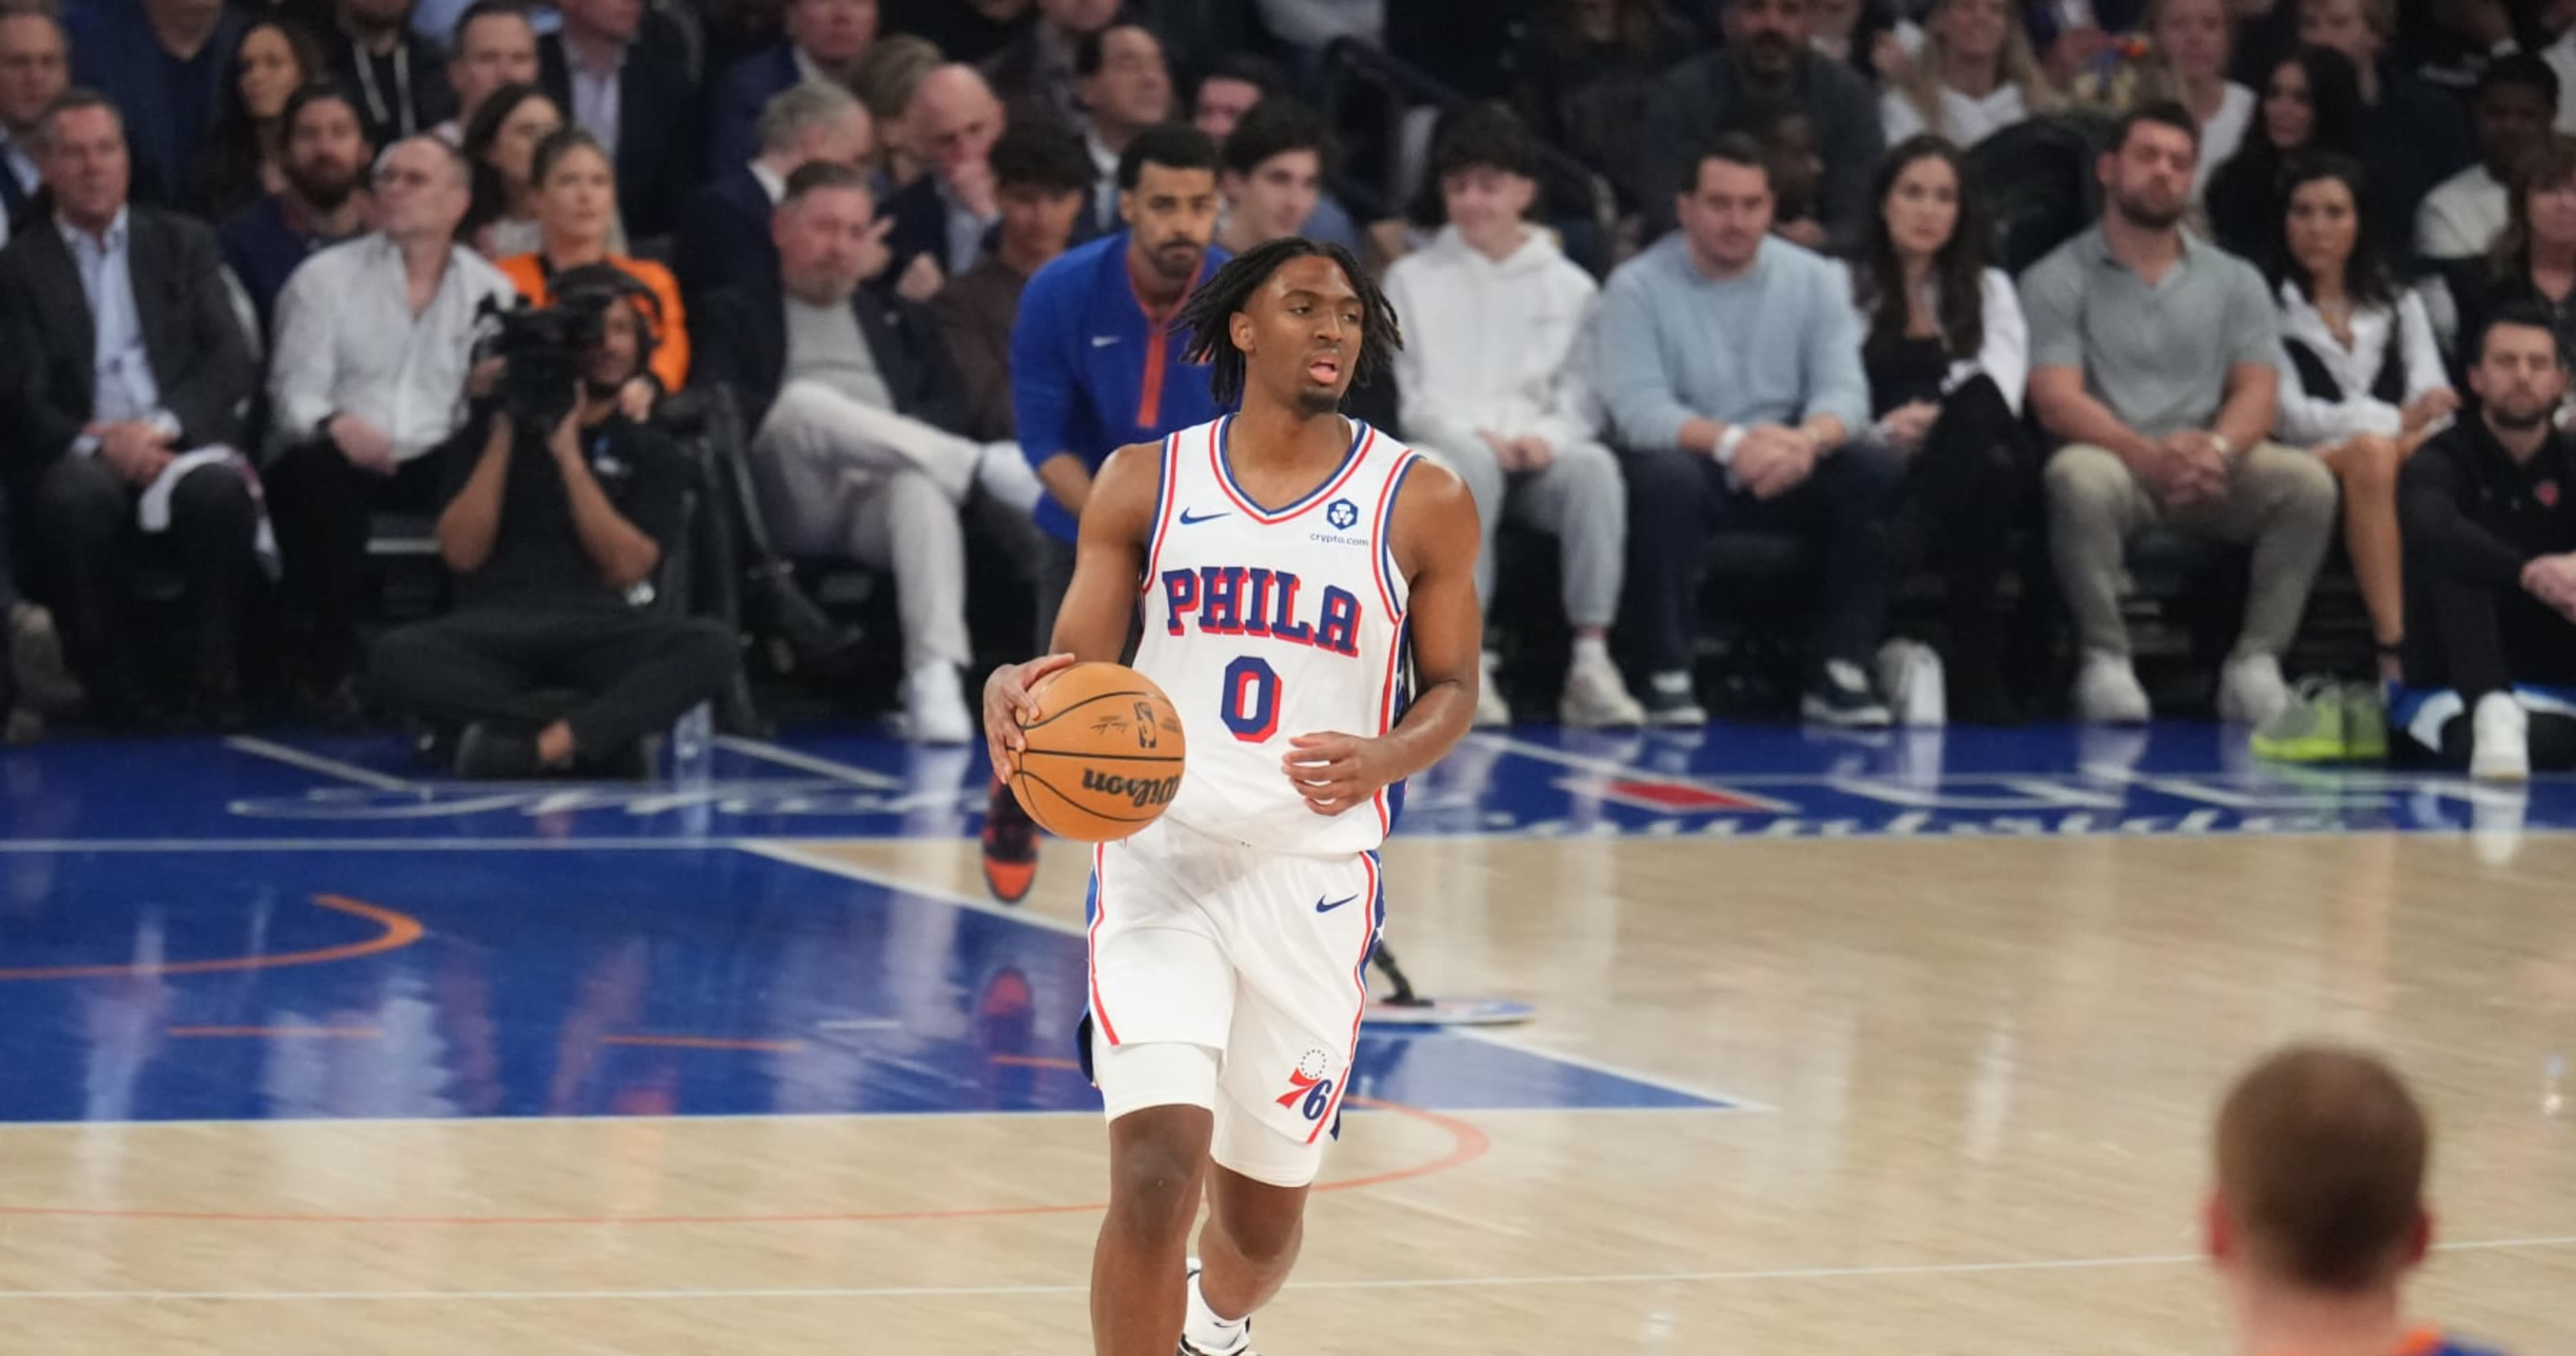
column 1264, row 624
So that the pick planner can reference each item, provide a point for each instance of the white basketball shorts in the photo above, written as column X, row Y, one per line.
column 1258, row 957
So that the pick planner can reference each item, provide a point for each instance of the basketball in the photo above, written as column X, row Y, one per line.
column 1104, row 753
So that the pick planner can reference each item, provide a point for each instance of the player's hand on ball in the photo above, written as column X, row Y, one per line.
column 1007, row 704
column 1336, row 772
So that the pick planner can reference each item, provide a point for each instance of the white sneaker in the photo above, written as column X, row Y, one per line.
column 1493, row 710
column 1910, row 673
column 2500, row 733
column 2107, row 691
column 934, row 706
column 2250, row 690
column 1595, row 698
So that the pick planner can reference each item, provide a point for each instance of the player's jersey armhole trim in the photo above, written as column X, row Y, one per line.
column 1363, row 438
column 1166, row 502
column 1382, row 566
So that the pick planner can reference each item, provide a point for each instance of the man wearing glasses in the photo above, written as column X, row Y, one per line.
column 370, row 377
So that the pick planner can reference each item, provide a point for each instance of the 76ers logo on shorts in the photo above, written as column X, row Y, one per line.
column 1309, row 1092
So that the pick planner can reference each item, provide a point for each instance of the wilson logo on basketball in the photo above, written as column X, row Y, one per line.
column 1142, row 791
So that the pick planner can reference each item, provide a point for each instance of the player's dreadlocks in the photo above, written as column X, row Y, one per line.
column 1216, row 302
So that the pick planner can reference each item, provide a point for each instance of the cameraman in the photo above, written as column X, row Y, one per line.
column 554, row 656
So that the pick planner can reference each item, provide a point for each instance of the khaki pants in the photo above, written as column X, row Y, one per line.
column 2280, row 501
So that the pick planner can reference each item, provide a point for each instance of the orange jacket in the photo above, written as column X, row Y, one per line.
column 670, row 336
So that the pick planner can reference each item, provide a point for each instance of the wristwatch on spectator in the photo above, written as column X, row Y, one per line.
column 1727, row 442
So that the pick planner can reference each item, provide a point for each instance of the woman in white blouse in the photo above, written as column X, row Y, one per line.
column 2362, row 383
column 1947, row 354
column 1974, row 77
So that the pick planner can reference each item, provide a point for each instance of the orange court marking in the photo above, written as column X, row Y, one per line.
column 1468, row 1143
column 400, row 930
column 268, row 1033
column 705, row 1043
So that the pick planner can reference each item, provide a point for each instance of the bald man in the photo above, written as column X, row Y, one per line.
column 954, row 119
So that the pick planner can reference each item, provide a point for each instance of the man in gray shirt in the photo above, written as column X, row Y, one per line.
column 2151, row 360
column 1730, row 362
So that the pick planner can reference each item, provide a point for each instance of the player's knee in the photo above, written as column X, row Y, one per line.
column 1267, row 1240
column 1156, row 1158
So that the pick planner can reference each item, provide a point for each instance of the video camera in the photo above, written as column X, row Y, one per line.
column 542, row 348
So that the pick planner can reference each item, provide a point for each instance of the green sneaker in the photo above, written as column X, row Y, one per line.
column 2308, row 730
column 2365, row 723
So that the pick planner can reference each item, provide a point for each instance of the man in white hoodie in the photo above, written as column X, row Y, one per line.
column 1492, row 384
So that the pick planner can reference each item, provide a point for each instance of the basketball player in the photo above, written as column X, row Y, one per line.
column 2319, row 1213
column 1290, row 563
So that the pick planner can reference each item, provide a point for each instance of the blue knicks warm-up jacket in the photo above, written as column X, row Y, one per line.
column 1091, row 372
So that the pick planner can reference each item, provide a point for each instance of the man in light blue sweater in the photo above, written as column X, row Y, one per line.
column 1730, row 362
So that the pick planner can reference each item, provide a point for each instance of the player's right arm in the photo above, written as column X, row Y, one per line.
column 1108, row 567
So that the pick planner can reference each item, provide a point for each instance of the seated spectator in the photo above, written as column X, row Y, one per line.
column 858, row 426
column 1040, row 180
column 1585, row 76
column 131, row 370
column 398, row 74
column 1947, row 354
column 2194, row 41
column 2491, row 567
column 889, row 75
column 1035, row 75
column 2311, row 104
column 1817, row 119
column 944, row 216
column 1230, row 89
column 1494, row 384
column 2319, row 1218
column 243, row 159
column 2151, row 363
column 1976, row 75
column 826, row 39
column 163, row 63
column 627, row 83
column 496, row 47
column 967, row 30
column 2534, row 260
column 556, row 658
column 501, row 142
column 324, row 200
column 577, row 206
column 35, row 68
column 724, row 238
column 2413, row 135
column 2517, row 98
column 367, row 384
column 1731, row 366
column 2362, row 384
column 1125, row 88
column 1275, row 164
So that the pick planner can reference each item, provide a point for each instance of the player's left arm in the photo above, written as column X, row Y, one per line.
column 1436, row 537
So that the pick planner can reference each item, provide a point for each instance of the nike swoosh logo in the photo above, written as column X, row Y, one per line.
column 1188, row 521
column 1322, row 907
column 1103, row 340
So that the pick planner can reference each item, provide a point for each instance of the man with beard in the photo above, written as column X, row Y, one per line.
column 368, row 384
column 324, row 201
column 1097, row 363
column 2151, row 361
column 2491, row 567
column 555, row 658
column 2516, row 99
column 1817, row 118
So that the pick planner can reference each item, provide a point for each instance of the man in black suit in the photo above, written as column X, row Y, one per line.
column 400, row 78
column 944, row 215
column 625, row 77
column 825, row 41
column 723, row 239
column 857, row 412
column 35, row 67
column 124, row 357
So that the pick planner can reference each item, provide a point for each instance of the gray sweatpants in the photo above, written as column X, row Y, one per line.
column 839, row 478
column 2280, row 500
column 1579, row 498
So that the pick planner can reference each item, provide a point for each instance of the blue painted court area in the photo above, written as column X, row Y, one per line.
column 262, row 984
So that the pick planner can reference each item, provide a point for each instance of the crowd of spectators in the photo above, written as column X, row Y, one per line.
column 927, row 253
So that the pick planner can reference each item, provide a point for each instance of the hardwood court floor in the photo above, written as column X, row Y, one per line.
column 1983, row 1072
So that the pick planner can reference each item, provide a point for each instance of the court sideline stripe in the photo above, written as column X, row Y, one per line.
column 851, row 773
column 793, row 855
column 313, row 762
column 1894, row 1270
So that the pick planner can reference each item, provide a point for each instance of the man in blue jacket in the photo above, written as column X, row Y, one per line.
column 1097, row 364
